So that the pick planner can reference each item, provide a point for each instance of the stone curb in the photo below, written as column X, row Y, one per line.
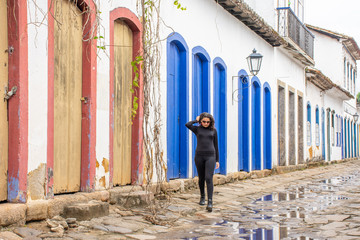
column 19, row 214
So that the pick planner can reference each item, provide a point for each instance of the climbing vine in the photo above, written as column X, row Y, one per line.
column 155, row 165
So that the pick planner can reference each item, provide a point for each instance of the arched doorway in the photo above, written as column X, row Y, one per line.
column 256, row 123
column 267, row 126
column 323, row 133
column 243, row 115
column 220, row 111
column 201, row 87
column 177, row 107
column 123, row 56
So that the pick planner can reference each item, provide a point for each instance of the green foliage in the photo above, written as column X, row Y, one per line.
column 358, row 97
column 99, row 46
column 178, row 5
column 135, row 84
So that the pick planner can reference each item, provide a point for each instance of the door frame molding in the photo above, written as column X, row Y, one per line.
column 18, row 104
column 136, row 132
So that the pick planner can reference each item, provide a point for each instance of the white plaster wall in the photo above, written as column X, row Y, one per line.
column 265, row 9
column 328, row 57
column 38, row 83
column 221, row 35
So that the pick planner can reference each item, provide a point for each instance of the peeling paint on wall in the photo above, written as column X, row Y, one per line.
column 310, row 152
column 97, row 164
column 102, row 182
column 102, row 174
column 36, row 182
column 105, row 164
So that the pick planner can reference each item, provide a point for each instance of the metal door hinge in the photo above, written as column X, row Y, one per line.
column 9, row 94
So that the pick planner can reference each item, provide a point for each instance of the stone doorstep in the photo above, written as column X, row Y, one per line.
column 18, row 214
column 132, row 199
column 86, row 211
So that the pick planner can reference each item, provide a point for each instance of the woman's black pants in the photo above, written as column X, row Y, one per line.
column 205, row 166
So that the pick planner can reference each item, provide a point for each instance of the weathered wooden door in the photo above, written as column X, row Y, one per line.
column 3, row 105
column 123, row 49
column 67, row 95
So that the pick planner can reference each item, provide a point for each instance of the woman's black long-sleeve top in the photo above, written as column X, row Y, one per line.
column 207, row 140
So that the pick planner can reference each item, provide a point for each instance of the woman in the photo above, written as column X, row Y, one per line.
column 206, row 154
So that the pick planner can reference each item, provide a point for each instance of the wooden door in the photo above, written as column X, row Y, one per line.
column 67, row 95
column 123, row 49
column 3, row 104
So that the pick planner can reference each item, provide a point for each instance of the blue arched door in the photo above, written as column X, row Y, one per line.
column 256, row 123
column 177, row 107
column 323, row 133
column 220, row 110
column 267, row 126
column 201, row 87
column 242, row 96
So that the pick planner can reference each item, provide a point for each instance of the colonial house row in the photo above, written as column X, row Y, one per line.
column 66, row 76
column 332, row 128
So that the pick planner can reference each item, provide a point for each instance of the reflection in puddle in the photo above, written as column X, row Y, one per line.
column 276, row 210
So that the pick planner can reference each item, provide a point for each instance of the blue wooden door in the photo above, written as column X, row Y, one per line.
column 177, row 144
column 267, row 128
column 342, row 138
column 345, row 138
column 243, row 115
column 256, row 124
column 323, row 133
column 220, row 113
column 200, row 100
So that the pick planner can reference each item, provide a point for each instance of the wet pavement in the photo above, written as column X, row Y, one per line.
column 318, row 203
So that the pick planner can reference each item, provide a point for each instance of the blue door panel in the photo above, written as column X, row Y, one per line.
column 220, row 111
column 243, row 115
column 201, row 89
column 267, row 127
column 177, row 107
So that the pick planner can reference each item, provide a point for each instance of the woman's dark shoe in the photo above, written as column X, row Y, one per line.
column 202, row 200
column 209, row 206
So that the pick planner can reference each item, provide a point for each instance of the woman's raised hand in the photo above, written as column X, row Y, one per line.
column 197, row 118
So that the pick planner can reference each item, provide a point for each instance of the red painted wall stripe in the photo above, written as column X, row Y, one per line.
column 137, row 134
column 88, row 133
column 18, row 104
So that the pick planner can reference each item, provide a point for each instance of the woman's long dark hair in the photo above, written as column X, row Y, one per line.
column 208, row 115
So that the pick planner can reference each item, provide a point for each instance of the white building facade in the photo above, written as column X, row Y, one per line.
column 75, row 101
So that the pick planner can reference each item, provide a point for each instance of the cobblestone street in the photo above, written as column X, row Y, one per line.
column 316, row 203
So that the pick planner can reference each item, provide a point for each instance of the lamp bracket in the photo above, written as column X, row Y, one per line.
column 236, row 93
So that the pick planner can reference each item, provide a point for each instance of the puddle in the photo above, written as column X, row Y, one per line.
column 277, row 215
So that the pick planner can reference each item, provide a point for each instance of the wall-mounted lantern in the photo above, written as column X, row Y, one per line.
column 356, row 116
column 254, row 62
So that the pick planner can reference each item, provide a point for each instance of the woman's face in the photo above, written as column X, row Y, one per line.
column 205, row 122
